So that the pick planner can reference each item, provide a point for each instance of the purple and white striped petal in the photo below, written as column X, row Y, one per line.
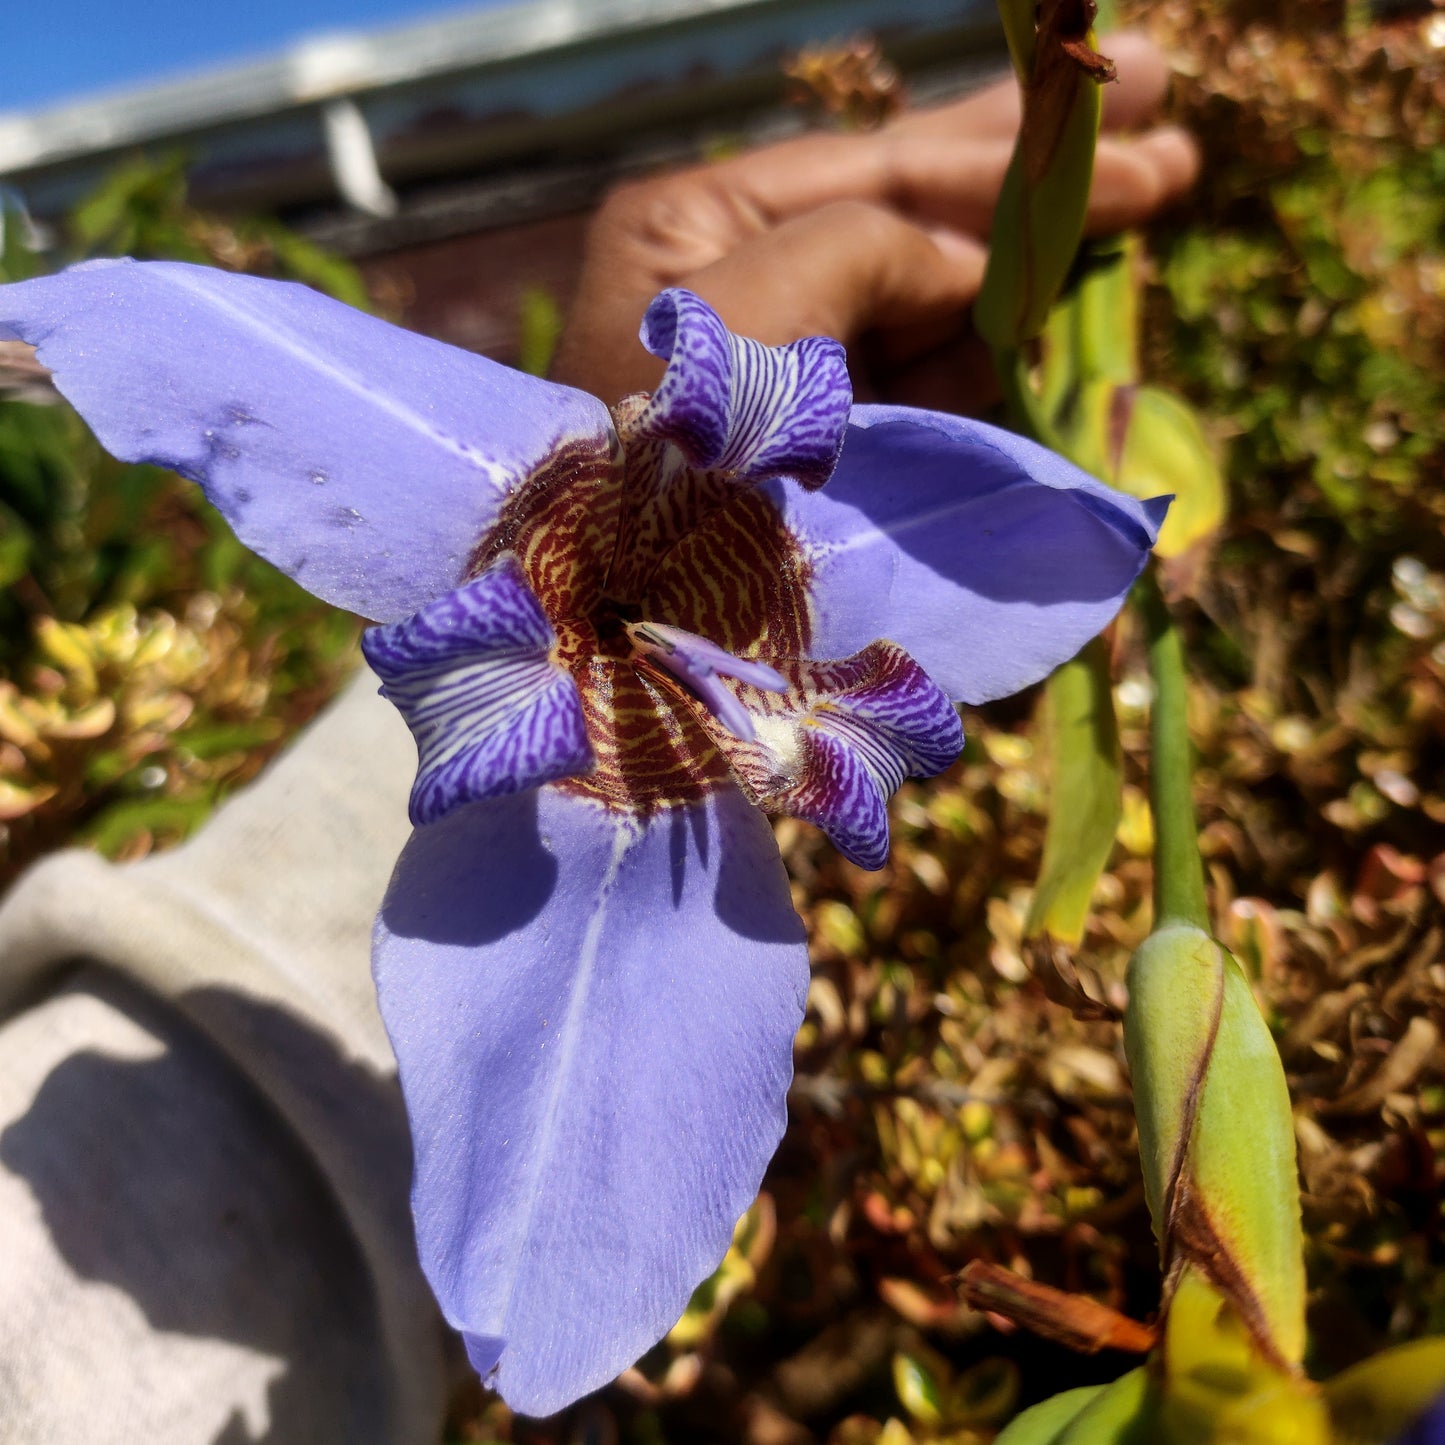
column 593, row 1014
column 701, row 665
column 988, row 558
column 365, row 461
column 872, row 720
column 473, row 675
column 731, row 404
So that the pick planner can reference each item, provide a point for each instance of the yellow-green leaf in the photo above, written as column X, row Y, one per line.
column 1043, row 1423
column 1372, row 1402
column 918, row 1388
column 1039, row 215
column 1164, row 450
column 1124, row 1413
column 1085, row 804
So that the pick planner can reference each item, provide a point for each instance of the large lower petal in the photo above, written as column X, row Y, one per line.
column 593, row 1018
column 364, row 460
column 986, row 557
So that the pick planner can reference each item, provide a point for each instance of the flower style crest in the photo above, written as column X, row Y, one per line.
column 619, row 639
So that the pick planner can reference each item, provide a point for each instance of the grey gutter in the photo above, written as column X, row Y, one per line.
column 355, row 65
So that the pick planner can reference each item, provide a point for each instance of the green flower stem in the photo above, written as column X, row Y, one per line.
column 1021, row 402
column 1179, row 895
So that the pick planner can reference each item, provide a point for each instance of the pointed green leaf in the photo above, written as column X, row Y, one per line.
column 1036, row 228
column 1039, row 215
column 1124, row 1413
column 1042, row 1424
column 1085, row 804
column 1164, row 450
column 1018, row 30
column 1092, row 333
column 1106, row 319
column 918, row 1389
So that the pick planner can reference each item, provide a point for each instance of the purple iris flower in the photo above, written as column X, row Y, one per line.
column 620, row 639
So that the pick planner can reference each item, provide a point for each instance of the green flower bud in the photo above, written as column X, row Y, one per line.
column 1216, row 1135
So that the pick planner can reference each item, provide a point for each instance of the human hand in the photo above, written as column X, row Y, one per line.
column 877, row 239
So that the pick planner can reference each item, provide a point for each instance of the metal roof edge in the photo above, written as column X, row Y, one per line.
column 328, row 66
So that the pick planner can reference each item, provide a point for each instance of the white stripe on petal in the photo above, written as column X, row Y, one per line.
column 473, row 675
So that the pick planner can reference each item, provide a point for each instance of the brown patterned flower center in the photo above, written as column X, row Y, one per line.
column 607, row 540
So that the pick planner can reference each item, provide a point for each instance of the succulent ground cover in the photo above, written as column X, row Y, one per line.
column 961, row 1098
column 148, row 661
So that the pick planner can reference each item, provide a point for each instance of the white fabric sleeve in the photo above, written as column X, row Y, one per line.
column 245, row 954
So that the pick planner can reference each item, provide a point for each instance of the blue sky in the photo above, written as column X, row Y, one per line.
column 57, row 50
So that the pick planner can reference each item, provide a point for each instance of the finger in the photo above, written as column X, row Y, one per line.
column 944, row 164
column 1137, row 97
column 1134, row 180
column 837, row 271
column 948, row 169
column 830, row 272
column 842, row 270
column 932, row 182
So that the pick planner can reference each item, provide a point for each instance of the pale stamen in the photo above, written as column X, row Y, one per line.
column 702, row 665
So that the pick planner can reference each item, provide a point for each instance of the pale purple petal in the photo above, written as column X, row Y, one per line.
column 842, row 797
column 364, row 460
column 986, row 557
column 594, row 1020
column 878, row 718
column 473, row 675
column 732, row 404
column 715, row 696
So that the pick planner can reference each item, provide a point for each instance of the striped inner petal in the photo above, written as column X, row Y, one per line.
column 474, row 676
column 734, row 405
column 871, row 721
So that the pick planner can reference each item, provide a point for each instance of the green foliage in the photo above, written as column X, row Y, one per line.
column 1085, row 802
column 1045, row 1423
column 147, row 659
column 1313, row 323
column 1142, row 439
column 141, row 210
column 540, row 326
